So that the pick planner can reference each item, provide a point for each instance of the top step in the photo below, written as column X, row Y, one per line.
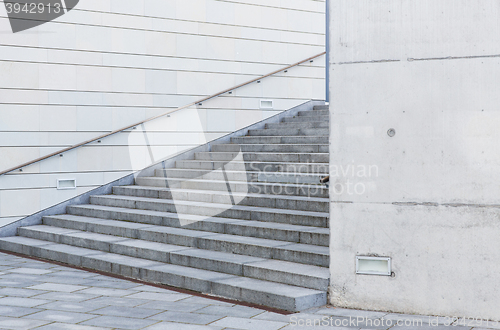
column 321, row 107
column 314, row 113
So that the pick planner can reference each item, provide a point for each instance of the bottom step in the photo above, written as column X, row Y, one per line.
column 276, row 295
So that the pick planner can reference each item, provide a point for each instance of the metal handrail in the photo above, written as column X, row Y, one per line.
column 19, row 167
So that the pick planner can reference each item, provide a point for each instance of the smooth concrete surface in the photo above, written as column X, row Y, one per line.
column 414, row 111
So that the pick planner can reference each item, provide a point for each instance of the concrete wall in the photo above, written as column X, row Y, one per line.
column 109, row 63
column 428, row 197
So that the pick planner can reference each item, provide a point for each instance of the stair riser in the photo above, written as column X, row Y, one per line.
column 319, row 169
column 238, row 176
column 250, row 187
column 292, row 148
column 182, row 257
column 314, row 113
column 217, row 197
column 207, row 175
column 287, row 278
column 280, row 140
column 277, row 253
column 188, row 241
column 306, row 119
column 301, row 125
column 321, row 107
column 265, row 157
column 290, row 132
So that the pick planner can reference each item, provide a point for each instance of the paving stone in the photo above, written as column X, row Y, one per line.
column 237, row 311
column 80, row 307
column 149, row 288
column 106, row 292
column 350, row 313
column 248, row 324
column 430, row 327
column 65, row 280
column 13, row 311
column 488, row 325
column 419, row 319
column 74, row 296
column 19, row 292
column 109, row 284
column 21, row 277
column 173, row 306
column 61, row 316
column 205, row 301
column 136, row 312
column 74, row 273
column 15, row 284
column 119, row 322
column 269, row 316
column 190, row 318
column 119, row 301
column 22, row 302
column 57, row 287
column 68, row 326
column 31, row 271
column 15, row 323
column 180, row 326
column 160, row 296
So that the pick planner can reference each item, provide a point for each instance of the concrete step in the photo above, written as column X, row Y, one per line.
column 249, row 246
column 321, row 107
column 271, row 188
column 247, row 289
column 271, row 201
column 284, row 232
column 314, row 113
column 246, row 176
column 290, row 132
column 292, row 148
column 265, row 157
column 308, row 276
column 280, row 140
column 294, row 125
column 302, row 119
column 320, row 169
column 214, row 223
column 237, row 212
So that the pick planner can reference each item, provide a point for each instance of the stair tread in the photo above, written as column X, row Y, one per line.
column 233, row 280
column 298, row 198
column 276, row 144
column 177, row 169
column 235, row 153
column 234, row 182
column 243, row 162
column 277, row 265
column 193, row 217
column 215, row 205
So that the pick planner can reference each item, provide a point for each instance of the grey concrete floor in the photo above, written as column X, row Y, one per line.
column 39, row 295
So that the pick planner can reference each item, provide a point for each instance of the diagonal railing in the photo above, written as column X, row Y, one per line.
column 19, row 167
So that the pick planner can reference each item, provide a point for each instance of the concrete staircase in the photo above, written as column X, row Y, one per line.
column 246, row 221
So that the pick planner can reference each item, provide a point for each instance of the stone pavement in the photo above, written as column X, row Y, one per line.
column 38, row 295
